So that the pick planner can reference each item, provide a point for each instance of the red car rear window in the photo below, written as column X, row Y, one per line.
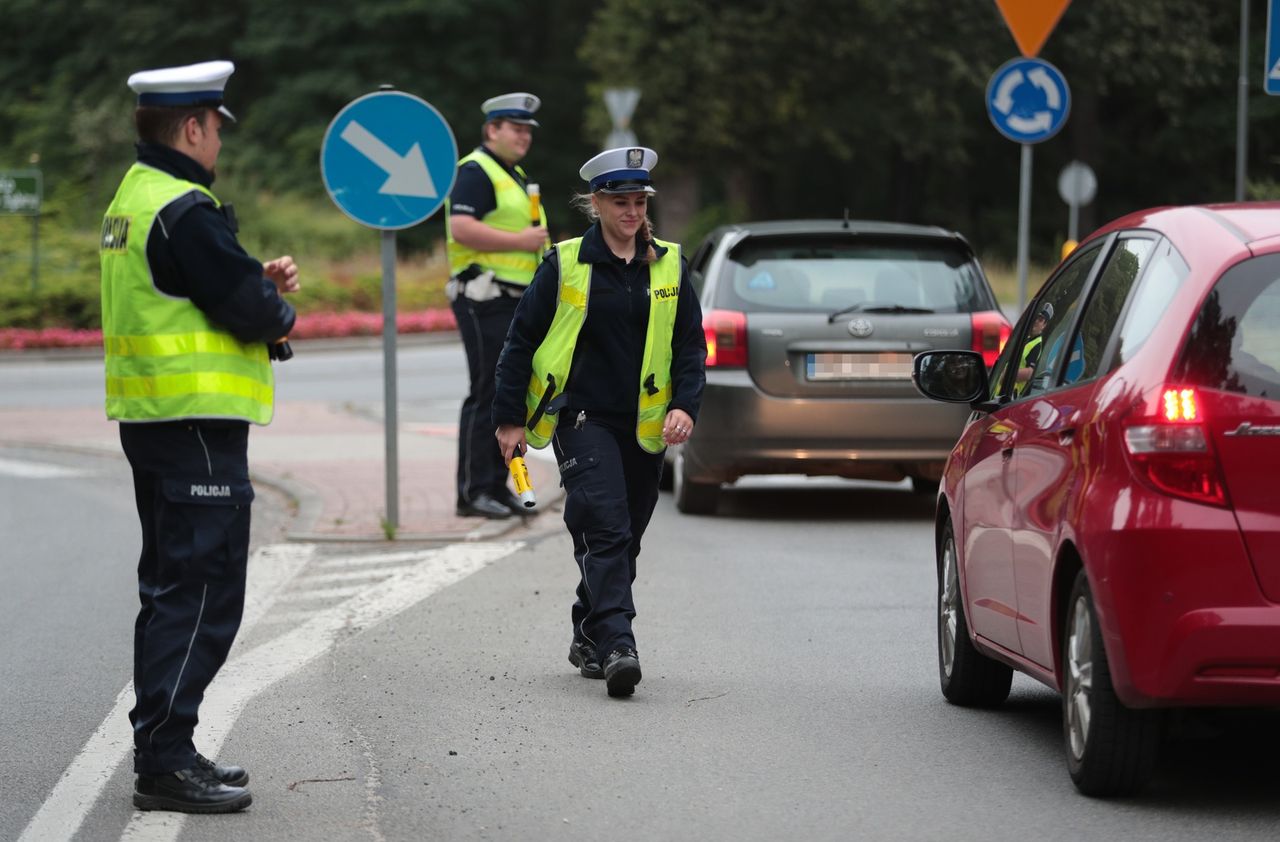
column 1234, row 344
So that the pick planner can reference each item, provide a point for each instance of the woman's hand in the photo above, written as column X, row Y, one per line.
column 677, row 428
column 511, row 436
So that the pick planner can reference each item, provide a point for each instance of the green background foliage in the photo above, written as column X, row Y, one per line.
column 759, row 109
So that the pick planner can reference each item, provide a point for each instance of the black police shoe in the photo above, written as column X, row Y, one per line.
column 622, row 671
column 512, row 502
column 484, row 506
column 583, row 656
column 193, row 790
column 229, row 775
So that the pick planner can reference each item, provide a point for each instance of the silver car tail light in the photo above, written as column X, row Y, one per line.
column 726, row 332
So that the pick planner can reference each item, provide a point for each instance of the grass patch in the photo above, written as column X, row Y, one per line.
column 1003, row 276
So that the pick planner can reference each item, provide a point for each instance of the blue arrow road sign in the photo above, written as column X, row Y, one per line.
column 388, row 160
column 1271, row 79
column 1028, row 100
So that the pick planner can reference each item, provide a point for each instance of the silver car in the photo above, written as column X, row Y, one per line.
column 811, row 330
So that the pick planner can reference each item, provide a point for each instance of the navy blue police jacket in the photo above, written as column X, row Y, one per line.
column 605, row 374
column 201, row 259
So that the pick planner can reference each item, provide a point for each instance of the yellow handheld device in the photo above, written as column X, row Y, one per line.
column 535, row 202
column 520, row 475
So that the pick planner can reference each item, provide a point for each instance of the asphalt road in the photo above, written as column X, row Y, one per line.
column 393, row 693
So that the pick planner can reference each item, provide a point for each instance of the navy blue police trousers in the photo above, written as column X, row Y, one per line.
column 191, row 481
column 483, row 326
column 611, row 488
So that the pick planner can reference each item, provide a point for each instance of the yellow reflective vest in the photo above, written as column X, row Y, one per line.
column 514, row 212
column 554, row 357
column 165, row 360
column 1032, row 344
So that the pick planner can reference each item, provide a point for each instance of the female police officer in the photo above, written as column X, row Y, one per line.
column 605, row 359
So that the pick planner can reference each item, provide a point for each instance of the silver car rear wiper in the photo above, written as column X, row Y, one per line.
column 872, row 307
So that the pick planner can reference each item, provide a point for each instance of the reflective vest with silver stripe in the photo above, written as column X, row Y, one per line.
column 514, row 212
column 554, row 357
column 165, row 359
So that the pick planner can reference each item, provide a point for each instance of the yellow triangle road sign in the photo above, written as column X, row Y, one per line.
column 1031, row 21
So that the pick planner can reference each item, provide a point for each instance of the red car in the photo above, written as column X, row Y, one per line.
column 1109, row 521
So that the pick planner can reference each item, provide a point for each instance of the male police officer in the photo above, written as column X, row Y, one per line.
column 496, row 236
column 187, row 317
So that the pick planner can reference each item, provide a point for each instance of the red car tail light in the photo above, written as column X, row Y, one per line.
column 726, row 332
column 990, row 331
column 1171, row 452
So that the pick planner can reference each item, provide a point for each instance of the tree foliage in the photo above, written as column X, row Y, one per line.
column 767, row 108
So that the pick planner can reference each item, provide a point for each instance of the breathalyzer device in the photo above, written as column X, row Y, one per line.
column 520, row 475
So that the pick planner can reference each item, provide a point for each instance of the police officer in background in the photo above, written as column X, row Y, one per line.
column 187, row 318
column 496, row 234
column 605, row 360
column 1031, row 349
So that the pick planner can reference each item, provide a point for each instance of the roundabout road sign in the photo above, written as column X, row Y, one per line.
column 388, row 160
column 1028, row 100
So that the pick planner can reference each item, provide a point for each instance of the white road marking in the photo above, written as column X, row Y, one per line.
column 292, row 618
column 381, row 558
column 38, row 470
column 62, row 813
column 244, row 676
column 270, row 571
column 367, row 576
column 322, row 593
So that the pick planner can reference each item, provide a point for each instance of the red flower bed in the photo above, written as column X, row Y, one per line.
column 327, row 325
column 309, row 326
column 17, row 338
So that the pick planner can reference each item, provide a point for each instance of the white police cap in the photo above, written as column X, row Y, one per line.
column 189, row 85
column 622, row 170
column 518, row 108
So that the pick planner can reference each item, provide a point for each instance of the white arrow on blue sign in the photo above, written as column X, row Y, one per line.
column 1028, row 100
column 388, row 160
column 1271, row 79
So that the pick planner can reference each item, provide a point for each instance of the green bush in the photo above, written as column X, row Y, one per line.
column 75, row 302
column 273, row 225
column 338, row 259
column 708, row 219
column 63, row 302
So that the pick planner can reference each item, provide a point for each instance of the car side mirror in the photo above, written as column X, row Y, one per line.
column 951, row 376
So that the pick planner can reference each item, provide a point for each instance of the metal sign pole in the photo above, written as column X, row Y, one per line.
column 1024, row 224
column 389, row 378
column 35, row 252
column 1242, row 105
column 1028, row 101
column 388, row 161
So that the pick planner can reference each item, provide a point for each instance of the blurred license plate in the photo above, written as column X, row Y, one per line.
column 884, row 366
